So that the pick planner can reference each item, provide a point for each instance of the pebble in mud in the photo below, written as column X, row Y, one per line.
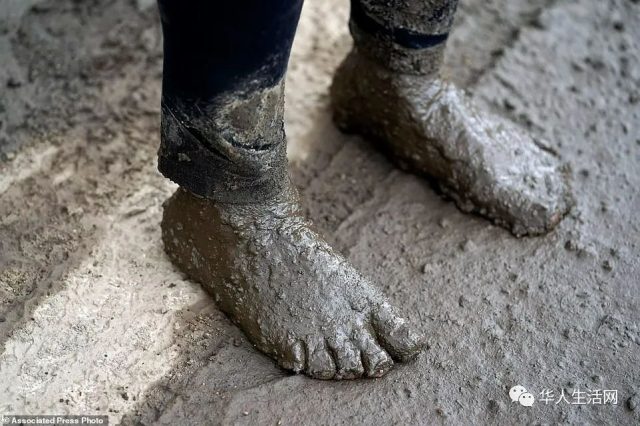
column 444, row 223
column 467, row 246
column 633, row 402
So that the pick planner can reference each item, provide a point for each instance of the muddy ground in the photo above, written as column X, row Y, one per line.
column 95, row 320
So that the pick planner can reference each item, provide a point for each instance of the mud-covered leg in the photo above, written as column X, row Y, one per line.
column 389, row 89
column 235, row 224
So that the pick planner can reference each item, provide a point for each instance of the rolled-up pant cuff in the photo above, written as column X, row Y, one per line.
column 386, row 52
column 393, row 35
column 223, row 162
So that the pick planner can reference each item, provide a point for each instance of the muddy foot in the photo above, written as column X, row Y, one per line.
column 295, row 298
column 430, row 127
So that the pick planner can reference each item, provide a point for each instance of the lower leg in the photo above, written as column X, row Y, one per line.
column 235, row 224
column 222, row 96
column 389, row 89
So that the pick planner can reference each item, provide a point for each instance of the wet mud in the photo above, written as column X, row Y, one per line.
column 80, row 113
column 295, row 297
column 428, row 126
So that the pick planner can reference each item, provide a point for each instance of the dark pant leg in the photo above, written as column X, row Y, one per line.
column 406, row 35
column 224, row 62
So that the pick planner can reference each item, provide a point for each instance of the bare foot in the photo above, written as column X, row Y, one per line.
column 430, row 127
column 295, row 298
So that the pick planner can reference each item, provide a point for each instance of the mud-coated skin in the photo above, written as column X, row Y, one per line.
column 294, row 297
column 430, row 127
column 231, row 149
column 235, row 227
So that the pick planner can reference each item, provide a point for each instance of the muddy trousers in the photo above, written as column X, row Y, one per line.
column 222, row 131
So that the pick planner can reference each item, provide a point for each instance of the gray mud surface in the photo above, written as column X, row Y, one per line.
column 95, row 320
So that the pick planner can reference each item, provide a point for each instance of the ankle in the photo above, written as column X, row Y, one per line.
column 396, row 58
column 285, row 198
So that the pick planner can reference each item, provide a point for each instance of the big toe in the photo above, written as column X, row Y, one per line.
column 397, row 337
column 541, row 197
